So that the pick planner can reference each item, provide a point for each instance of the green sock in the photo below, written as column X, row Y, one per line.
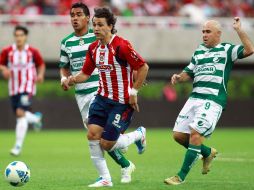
column 119, row 158
column 205, row 151
column 191, row 157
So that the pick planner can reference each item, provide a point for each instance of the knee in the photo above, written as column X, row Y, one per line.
column 93, row 136
column 20, row 112
column 196, row 139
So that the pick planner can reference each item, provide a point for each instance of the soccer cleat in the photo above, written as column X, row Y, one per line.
column 15, row 151
column 175, row 180
column 207, row 161
column 141, row 143
column 126, row 173
column 101, row 182
column 38, row 125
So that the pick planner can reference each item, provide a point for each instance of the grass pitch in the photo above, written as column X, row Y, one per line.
column 59, row 160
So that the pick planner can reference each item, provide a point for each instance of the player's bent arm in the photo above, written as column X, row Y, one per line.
column 5, row 71
column 140, row 76
column 182, row 77
column 41, row 73
column 247, row 44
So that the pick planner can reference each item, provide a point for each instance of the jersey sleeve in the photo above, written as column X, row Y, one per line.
column 190, row 68
column 89, row 64
column 38, row 58
column 4, row 57
column 131, row 56
column 237, row 52
column 64, row 59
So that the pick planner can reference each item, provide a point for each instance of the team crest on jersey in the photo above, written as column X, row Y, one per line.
column 81, row 42
column 104, row 68
column 101, row 58
column 205, row 69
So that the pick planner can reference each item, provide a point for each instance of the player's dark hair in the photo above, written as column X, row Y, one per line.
column 104, row 12
column 22, row 28
column 82, row 6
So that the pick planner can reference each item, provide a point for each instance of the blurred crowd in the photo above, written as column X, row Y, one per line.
column 196, row 9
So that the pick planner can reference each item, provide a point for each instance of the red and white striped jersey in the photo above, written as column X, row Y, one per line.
column 115, row 62
column 22, row 65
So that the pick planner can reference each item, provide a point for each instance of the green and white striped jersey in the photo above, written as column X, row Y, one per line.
column 72, row 56
column 210, row 69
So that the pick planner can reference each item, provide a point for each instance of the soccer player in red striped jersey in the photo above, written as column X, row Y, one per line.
column 111, row 112
column 23, row 66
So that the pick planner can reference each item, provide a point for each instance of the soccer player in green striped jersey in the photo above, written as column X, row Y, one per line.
column 72, row 57
column 209, row 68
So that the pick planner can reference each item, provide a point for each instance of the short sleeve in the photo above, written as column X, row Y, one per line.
column 190, row 68
column 64, row 59
column 89, row 64
column 4, row 57
column 237, row 52
column 37, row 58
column 133, row 58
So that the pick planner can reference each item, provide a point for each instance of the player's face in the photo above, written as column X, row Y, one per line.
column 79, row 20
column 211, row 35
column 20, row 38
column 101, row 28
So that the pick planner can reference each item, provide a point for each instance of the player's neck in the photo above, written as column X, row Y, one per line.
column 81, row 32
column 20, row 47
column 107, row 39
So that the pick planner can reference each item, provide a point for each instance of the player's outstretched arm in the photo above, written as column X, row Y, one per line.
column 247, row 44
column 78, row 78
column 182, row 77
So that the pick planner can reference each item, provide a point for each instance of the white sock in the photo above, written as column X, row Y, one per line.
column 97, row 156
column 125, row 140
column 31, row 118
column 21, row 129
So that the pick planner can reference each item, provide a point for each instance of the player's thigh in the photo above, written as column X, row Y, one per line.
column 185, row 117
column 98, row 113
column 118, row 121
column 206, row 117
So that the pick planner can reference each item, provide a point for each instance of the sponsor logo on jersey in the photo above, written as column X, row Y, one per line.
column 77, row 63
column 200, row 123
column 205, row 69
column 104, row 68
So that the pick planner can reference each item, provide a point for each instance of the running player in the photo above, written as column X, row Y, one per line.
column 111, row 111
column 209, row 68
column 18, row 64
column 73, row 52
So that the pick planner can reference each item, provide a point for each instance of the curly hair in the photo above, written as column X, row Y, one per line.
column 104, row 12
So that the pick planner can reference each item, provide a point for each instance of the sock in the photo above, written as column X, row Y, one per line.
column 21, row 129
column 119, row 158
column 125, row 140
column 205, row 150
column 97, row 156
column 31, row 118
column 191, row 157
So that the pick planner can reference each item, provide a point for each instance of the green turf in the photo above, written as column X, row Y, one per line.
column 59, row 160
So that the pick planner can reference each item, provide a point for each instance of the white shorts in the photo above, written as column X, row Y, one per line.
column 200, row 115
column 84, row 101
